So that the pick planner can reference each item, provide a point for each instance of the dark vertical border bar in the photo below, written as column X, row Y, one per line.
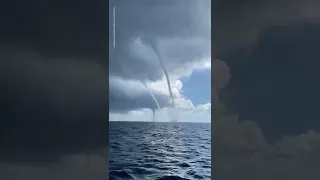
column 274, row 64
column 32, row 124
column 212, row 57
column 107, row 74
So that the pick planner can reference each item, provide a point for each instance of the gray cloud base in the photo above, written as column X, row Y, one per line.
column 276, row 40
column 240, row 24
column 60, row 102
column 175, row 29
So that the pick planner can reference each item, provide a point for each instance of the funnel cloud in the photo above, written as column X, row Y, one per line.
column 165, row 72
column 152, row 44
column 161, row 49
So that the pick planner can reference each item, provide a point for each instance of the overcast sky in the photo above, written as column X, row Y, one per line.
column 180, row 31
column 54, row 74
column 53, row 94
column 267, row 126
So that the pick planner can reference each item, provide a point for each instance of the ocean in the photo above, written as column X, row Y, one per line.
column 159, row 151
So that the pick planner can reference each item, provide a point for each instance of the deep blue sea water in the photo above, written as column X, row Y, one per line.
column 152, row 151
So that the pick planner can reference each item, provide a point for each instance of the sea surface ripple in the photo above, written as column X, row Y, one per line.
column 159, row 151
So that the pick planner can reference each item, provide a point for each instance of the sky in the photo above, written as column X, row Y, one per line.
column 53, row 94
column 265, row 125
column 181, row 32
column 196, row 87
column 264, row 93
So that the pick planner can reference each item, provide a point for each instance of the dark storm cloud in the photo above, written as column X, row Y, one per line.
column 275, row 88
column 179, row 29
column 133, row 96
column 158, row 20
column 53, row 77
column 276, row 84
column 269, row 47
column 237, row 23
column 242, row 149
column 51, row 105
column 271, row 50
column 57, row 28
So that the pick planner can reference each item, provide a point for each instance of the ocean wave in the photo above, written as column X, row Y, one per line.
column 159, row 151
column 120, row 175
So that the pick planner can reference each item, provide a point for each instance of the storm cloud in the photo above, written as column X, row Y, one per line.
column 275, row 83
column 265, row 124
column 236, row 24
column 269, row 128
column 180, row 30
column 54, row 85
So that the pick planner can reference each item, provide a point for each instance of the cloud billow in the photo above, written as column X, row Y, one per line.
column 269, row 128
column 174, row 27
column 53, row 76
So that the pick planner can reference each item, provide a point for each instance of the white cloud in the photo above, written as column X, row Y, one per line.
column 207, row 64
column 184, row 107
column 162, row 87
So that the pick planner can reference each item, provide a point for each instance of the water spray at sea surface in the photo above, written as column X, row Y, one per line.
column 154, row 99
